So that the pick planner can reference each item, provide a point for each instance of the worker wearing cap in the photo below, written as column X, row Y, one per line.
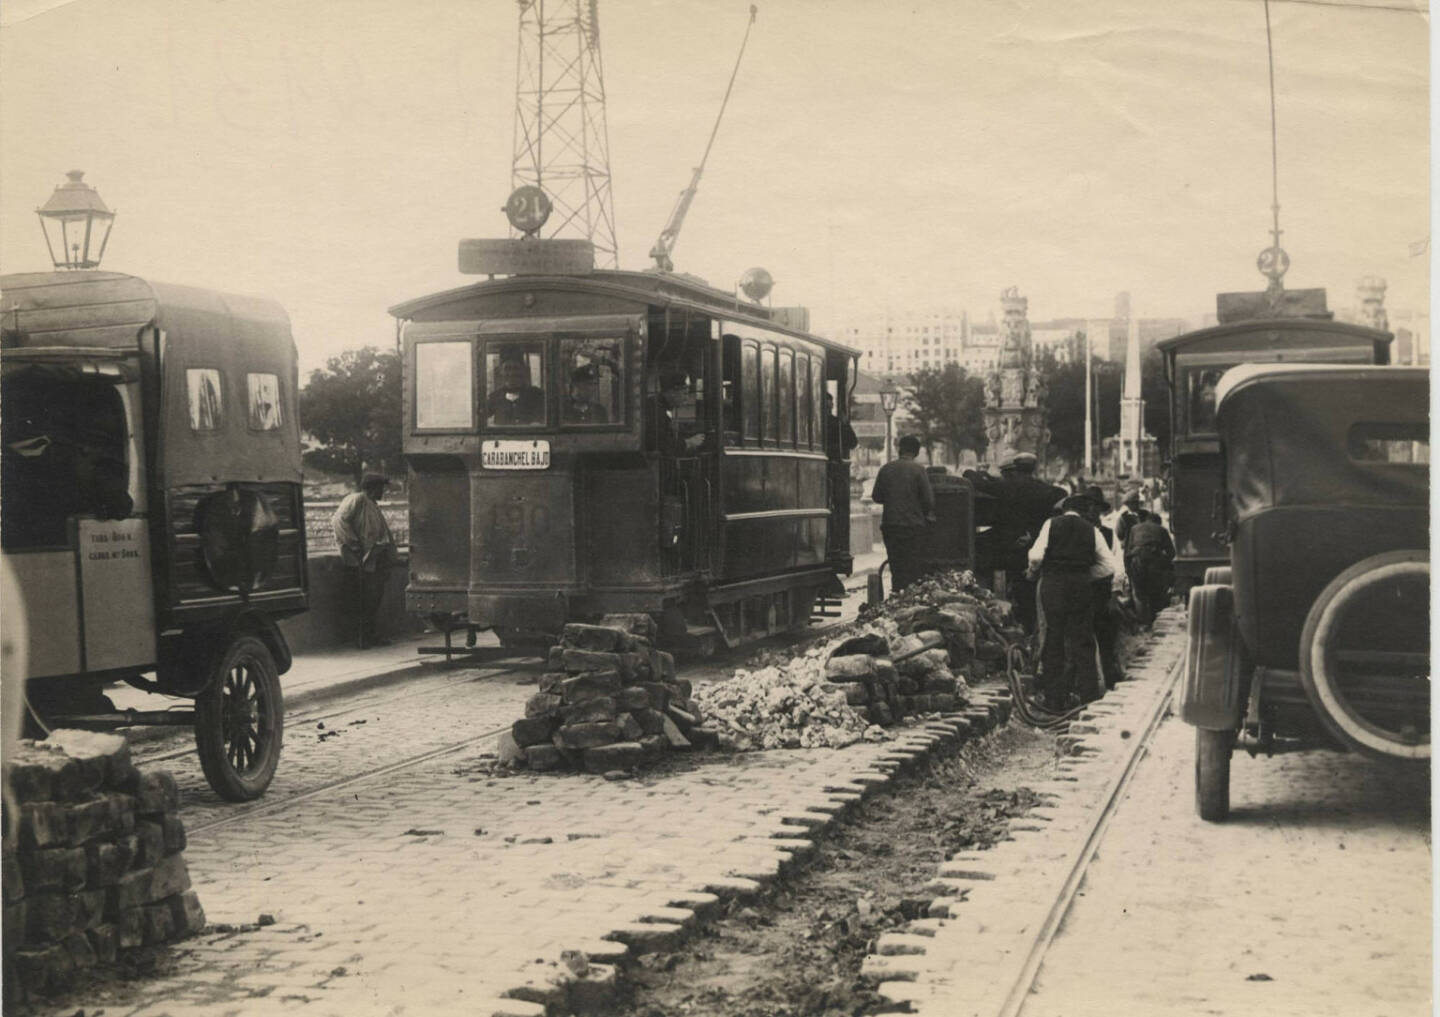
column 1024, row 502
column 1062, row 557
column 904, row 489
column 367, row 551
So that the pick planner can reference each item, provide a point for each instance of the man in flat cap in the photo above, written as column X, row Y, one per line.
column 367, row 550
column 1024, row 502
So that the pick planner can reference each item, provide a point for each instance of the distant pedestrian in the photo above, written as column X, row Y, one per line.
column 1149, row 560
column 1062, row 557
column 904, row 489
column 367, row 550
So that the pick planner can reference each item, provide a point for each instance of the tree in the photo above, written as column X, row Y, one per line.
column 353, row 409
column 1156, row 393
column 1065, row 405
column 947, row 407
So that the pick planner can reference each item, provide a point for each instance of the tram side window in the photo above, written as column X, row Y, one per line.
column 817, row 405
column 263, row 395
column 65, row 455
column 202, row 390
column 802, row 401
column 444, row 386
column 593, row 370
column 750, row 392
column 731, row 384
column 786, row 391
column 767, row 394
column 514, row 376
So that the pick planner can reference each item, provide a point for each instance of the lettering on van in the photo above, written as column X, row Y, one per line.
column 515, row 455
column 114, row 545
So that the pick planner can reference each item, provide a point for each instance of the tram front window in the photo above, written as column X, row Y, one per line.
column 514, row 376
column 593, row 370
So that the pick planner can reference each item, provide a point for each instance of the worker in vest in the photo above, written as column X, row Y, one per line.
column 1062, row 558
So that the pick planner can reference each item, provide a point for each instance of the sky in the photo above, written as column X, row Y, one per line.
column 332, row 154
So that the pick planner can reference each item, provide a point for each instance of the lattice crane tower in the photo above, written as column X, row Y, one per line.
column 561, row 142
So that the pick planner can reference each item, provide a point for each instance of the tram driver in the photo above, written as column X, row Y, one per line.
column 674, row 416
column 583, row 405
column 513, row 399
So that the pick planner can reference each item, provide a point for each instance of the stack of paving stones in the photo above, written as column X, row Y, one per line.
column 892, row 680
column 93, row 863
column 609, row 701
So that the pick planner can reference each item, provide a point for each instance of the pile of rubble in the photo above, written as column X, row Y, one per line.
column 609, row 701
column 92, row 860
column 912, row 655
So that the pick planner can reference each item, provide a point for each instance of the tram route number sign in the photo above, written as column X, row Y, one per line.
column 499, row 454
column 527, row 208
column 527, row 256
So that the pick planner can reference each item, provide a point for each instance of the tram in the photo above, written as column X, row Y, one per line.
column 621, row 442
column 1194, row 363
column 152, row 515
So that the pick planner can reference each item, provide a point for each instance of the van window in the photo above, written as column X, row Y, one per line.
column 263, row 394
column 202, row 389
column 444, row 386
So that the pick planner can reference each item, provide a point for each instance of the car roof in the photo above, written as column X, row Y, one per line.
column 1246, row 375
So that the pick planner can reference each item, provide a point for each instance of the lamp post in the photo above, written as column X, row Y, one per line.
column 889, row 399
column 76, row 224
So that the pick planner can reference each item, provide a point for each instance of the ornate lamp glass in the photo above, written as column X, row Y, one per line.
column 76, row 223
column 889, row 399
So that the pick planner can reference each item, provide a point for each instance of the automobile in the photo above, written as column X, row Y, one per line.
column 1317, row 632
column 152, row 516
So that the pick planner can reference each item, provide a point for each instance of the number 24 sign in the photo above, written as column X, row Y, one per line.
column 527, row 208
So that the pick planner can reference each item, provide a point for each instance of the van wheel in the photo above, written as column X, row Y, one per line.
column 1212, row 773
column 239, row 721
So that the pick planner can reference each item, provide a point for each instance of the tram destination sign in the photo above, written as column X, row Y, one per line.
column 527, row 256
column 499, row 454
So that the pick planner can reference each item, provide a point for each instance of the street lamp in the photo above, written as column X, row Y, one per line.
column 76, row 224
column 889, row 399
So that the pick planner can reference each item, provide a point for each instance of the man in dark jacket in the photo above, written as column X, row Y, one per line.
column 904, row 489
column 1149, row 561
column 1129, row 516
column 1063, row 555
column 1024, row 503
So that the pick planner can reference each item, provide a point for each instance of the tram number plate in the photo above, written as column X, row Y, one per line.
column 515, row 455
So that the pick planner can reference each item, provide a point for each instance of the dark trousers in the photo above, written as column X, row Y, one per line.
column 369, row 590
column 1021, row 593
column 905, row 547
column 1067, row 657
column 1150, row 579
column 1106, row 631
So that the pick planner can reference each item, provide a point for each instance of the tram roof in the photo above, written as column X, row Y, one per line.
column 107, row 310
column 1200, row 336
column 665, row 289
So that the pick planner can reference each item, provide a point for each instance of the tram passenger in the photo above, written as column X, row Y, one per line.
column 840, row 439
column 1061, row 558
column 1025, row 502
column 1104, row 574
column 367, row 550
column 1149, row 560
column 513, row 398
column 904, row 489
column 583, row 405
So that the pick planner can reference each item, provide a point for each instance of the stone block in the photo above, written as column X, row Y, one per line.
column 684, row 718
column 855, row 693
column 106, row 862
column 175, row 839
column 654, row 744
column 637, row 624
column 590, row 711
column 12, row 877
column 159, row 924
column 659, row 693
column 82, row 954
column 939, row 682
column 157, row 793
column 543, row 704
column 39, row 773
column 586, row 736
column 554, row 661
column 924, row 663
column 151, row 836
column 652, row 722
column 584, row 687
column 104, row 758
column 880, row 713
column 172, row 876
column 90, row 908
column 580, row 661
column 662, row 665
column 944, row 702
column 989, row 651
column 543, row 757
column 508, row 751
column 109, row 816
column 907, row 686
column 673, row 734
column 600, row 638
column 130, row 928
column 630, row 728
column 14, row 928
column 133, row 890
column 43, row 970
column 188, row 915
column 618, row 756
column 49, row 916
column 870, row 644
column 704, row 737
column 532, row 731
column 683, row 688
column 53, row 869
column 44, row 825
column 633, row 697
column 635, row 667
column 885, row 671
column 104, row 941
column 907, row 705
column 852, row 668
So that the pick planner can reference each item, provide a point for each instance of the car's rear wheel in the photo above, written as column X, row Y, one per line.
column 1212, row 773
column 1364, row 656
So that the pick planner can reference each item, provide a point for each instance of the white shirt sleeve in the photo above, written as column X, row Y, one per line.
column 1042, row 542
column 1106, row 562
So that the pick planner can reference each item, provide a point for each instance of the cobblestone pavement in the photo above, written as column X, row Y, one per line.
column 1313, row 899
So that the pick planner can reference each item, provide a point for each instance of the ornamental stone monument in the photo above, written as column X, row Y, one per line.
column 1014, row 391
